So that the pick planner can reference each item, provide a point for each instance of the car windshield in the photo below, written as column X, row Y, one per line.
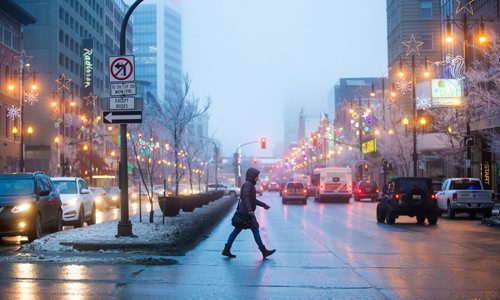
column 295, row 185
column 16, row 187
column 66, row 187
column 405, row 185
column 465, row 185
column 368, row 184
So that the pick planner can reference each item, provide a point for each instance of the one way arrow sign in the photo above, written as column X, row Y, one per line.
column 122, row 117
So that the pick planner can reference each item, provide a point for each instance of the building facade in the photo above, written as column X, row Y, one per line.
column 13, row 19
column 71, row 45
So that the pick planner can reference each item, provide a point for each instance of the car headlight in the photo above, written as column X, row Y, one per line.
column 98, row 199
column 70, row 202
column 114, row 198
column 20, row 208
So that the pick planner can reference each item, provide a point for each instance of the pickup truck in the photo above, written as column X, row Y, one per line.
column 465, row 195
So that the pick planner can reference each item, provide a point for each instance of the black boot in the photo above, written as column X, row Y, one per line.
column 227, row 251
column 265, row 252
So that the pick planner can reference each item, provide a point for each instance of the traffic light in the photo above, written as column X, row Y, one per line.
column 315, row 140
column 365, row 167
column 263, row 142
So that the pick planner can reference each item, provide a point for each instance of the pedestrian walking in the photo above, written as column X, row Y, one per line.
column 246, row 207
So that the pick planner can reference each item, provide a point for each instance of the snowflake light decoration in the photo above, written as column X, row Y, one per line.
column 31, row 97
column 403, row 86
column 423, row 102
column 13, row 112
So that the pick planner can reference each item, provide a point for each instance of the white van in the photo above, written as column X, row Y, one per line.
column 333, row 183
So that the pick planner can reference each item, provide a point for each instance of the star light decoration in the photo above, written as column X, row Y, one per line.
column 412, row 46
column 423, row 102
column 403, row 86
column 31, row 97
column 23, row 58
column 13, row 112
column 63, row 82
column 467, row 6
column 91, row 99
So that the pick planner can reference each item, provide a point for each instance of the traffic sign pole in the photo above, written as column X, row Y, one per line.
column 124, row 225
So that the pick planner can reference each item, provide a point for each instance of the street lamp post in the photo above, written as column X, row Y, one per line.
column 62, row 87
column 24, row 74
column 465, row 26
column 238, row 164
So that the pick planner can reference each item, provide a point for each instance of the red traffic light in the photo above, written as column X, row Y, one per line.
column 263, row 142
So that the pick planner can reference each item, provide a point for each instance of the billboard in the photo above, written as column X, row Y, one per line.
column 446, row 92
column 369, row 147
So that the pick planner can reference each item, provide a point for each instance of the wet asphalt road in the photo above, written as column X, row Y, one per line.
column 323, row 251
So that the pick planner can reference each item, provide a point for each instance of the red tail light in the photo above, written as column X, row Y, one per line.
column 305, row 191
column 454, row 197
column 397, row 196
column 359, row 191
column 376, row 190
column 285, row 191
column 433, row 196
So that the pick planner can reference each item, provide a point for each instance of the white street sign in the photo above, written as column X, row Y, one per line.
column 122, row 117
column 121, row 103
column 125, row 88
column 121, row 68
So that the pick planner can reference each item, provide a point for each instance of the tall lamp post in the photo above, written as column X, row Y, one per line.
column 238, row 162
column 413, row 48
column 62, row 91
column 22, row 76
column 465, row 25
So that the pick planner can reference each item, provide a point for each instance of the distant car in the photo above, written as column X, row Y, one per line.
column 259, row 189
column 273, row 187
column 113, row 197
column 77, row 200
column 366, row 189
column 29, row 204
column 101, row 197
column 220, row 186
column 294, row 191
column 233, row 191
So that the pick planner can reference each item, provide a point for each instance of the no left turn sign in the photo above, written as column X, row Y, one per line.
column 121, row 68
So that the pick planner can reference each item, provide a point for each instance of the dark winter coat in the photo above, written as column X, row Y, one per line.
column 248, row 198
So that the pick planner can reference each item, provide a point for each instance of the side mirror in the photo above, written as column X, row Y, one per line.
column 84, row 191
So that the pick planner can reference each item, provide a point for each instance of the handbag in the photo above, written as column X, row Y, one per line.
column 240, row 220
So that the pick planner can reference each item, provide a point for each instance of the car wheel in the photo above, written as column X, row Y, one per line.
column 380, row 213
column 440, row 213
column 451, row 211
column 283, row 201
column 374, row 199
column 58, row 225
column 487, row 214
column 472, row 215
column 80, row 221
column 356, row 199
column 432, row 218
column 92, row 219
column 232, row 194
column 420, row 219
column 390, row 217
column 36, row 231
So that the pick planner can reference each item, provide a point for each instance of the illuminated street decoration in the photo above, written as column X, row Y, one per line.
column 412, row 46
column 423, row 102
column 91, row 99
column 467, row 5
column 63, row 82
column 31, row 97
column 403, row 86
column 455, row 66
column 13, row 112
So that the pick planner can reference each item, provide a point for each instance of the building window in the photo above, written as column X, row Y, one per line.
column 427, row 41
column 61, row 59
column 426, row 10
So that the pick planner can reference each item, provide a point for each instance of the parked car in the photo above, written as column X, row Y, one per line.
column 366, row 189
column 220, row 186
column 100, row 197
column 77, row 200
column 465, row 195
column 113, row 197
column 29, row 204
column 234, row 191
column 294, row 191
column 409, row 196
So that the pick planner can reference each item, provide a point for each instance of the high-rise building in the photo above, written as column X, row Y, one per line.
column 73, row 39
column 13, row 19
column 158, row 45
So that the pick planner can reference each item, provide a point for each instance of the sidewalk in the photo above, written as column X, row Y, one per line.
column 175, row 237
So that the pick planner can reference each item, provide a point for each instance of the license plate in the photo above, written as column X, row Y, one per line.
column 368, row 189
column 417, row 197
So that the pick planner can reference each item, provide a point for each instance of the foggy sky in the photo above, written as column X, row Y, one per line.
column 252, row 57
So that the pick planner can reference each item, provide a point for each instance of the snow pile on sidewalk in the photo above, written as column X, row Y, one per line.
column 492, row 221
column 176, row 235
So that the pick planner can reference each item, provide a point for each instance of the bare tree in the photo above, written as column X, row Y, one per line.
column 193, row 149
column 180, row 108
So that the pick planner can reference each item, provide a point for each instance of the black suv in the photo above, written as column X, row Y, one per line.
column 29, row 204
column 409, row 196
column 366, row 189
